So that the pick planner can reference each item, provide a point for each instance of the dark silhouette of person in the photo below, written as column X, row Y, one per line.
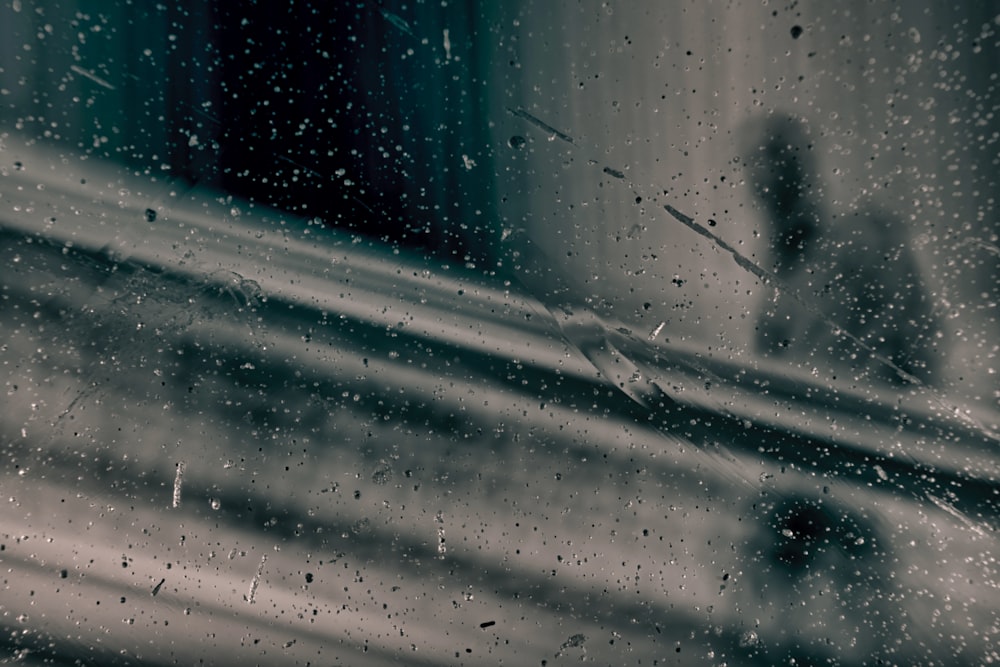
column 860, row 280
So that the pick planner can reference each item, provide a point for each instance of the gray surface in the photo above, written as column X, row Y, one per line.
column 438, row 451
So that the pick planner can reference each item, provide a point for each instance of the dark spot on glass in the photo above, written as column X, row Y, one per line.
column 150, row 215
column 796, row 31
column 517, row 141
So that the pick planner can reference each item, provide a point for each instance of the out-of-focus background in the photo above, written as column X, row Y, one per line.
column 394, row 120
column 464, row 333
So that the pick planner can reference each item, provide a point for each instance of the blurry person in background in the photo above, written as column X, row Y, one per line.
column 853, row 272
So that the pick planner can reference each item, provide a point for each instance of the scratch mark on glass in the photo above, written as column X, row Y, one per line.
column 541, row 124
column 958, row 514
column 991, row 248
column 765, row 276
column 769, row 278
column 309, row 170
column 103, row 83
column 397, row 21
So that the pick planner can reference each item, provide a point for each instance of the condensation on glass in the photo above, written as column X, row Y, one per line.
column 519, row 332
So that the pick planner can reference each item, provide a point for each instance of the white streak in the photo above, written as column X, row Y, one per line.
column 396, row 20
column 178, row 479
column 255, row 582
column 104, row 83
column 656, row 330
column 958, row 514
column 441, row 548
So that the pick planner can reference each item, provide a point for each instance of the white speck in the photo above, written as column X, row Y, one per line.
column 447, row 45
column 468, row 162
column 881, row 473
column 178, row 479
column 193, row 141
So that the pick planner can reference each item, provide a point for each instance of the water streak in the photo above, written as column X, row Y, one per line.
column 178, row 480
column 255, row 582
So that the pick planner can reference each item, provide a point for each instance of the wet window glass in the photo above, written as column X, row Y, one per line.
column 534, row 332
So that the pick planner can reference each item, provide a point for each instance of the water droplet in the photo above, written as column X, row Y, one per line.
column 517, row 141
column 382, row 474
